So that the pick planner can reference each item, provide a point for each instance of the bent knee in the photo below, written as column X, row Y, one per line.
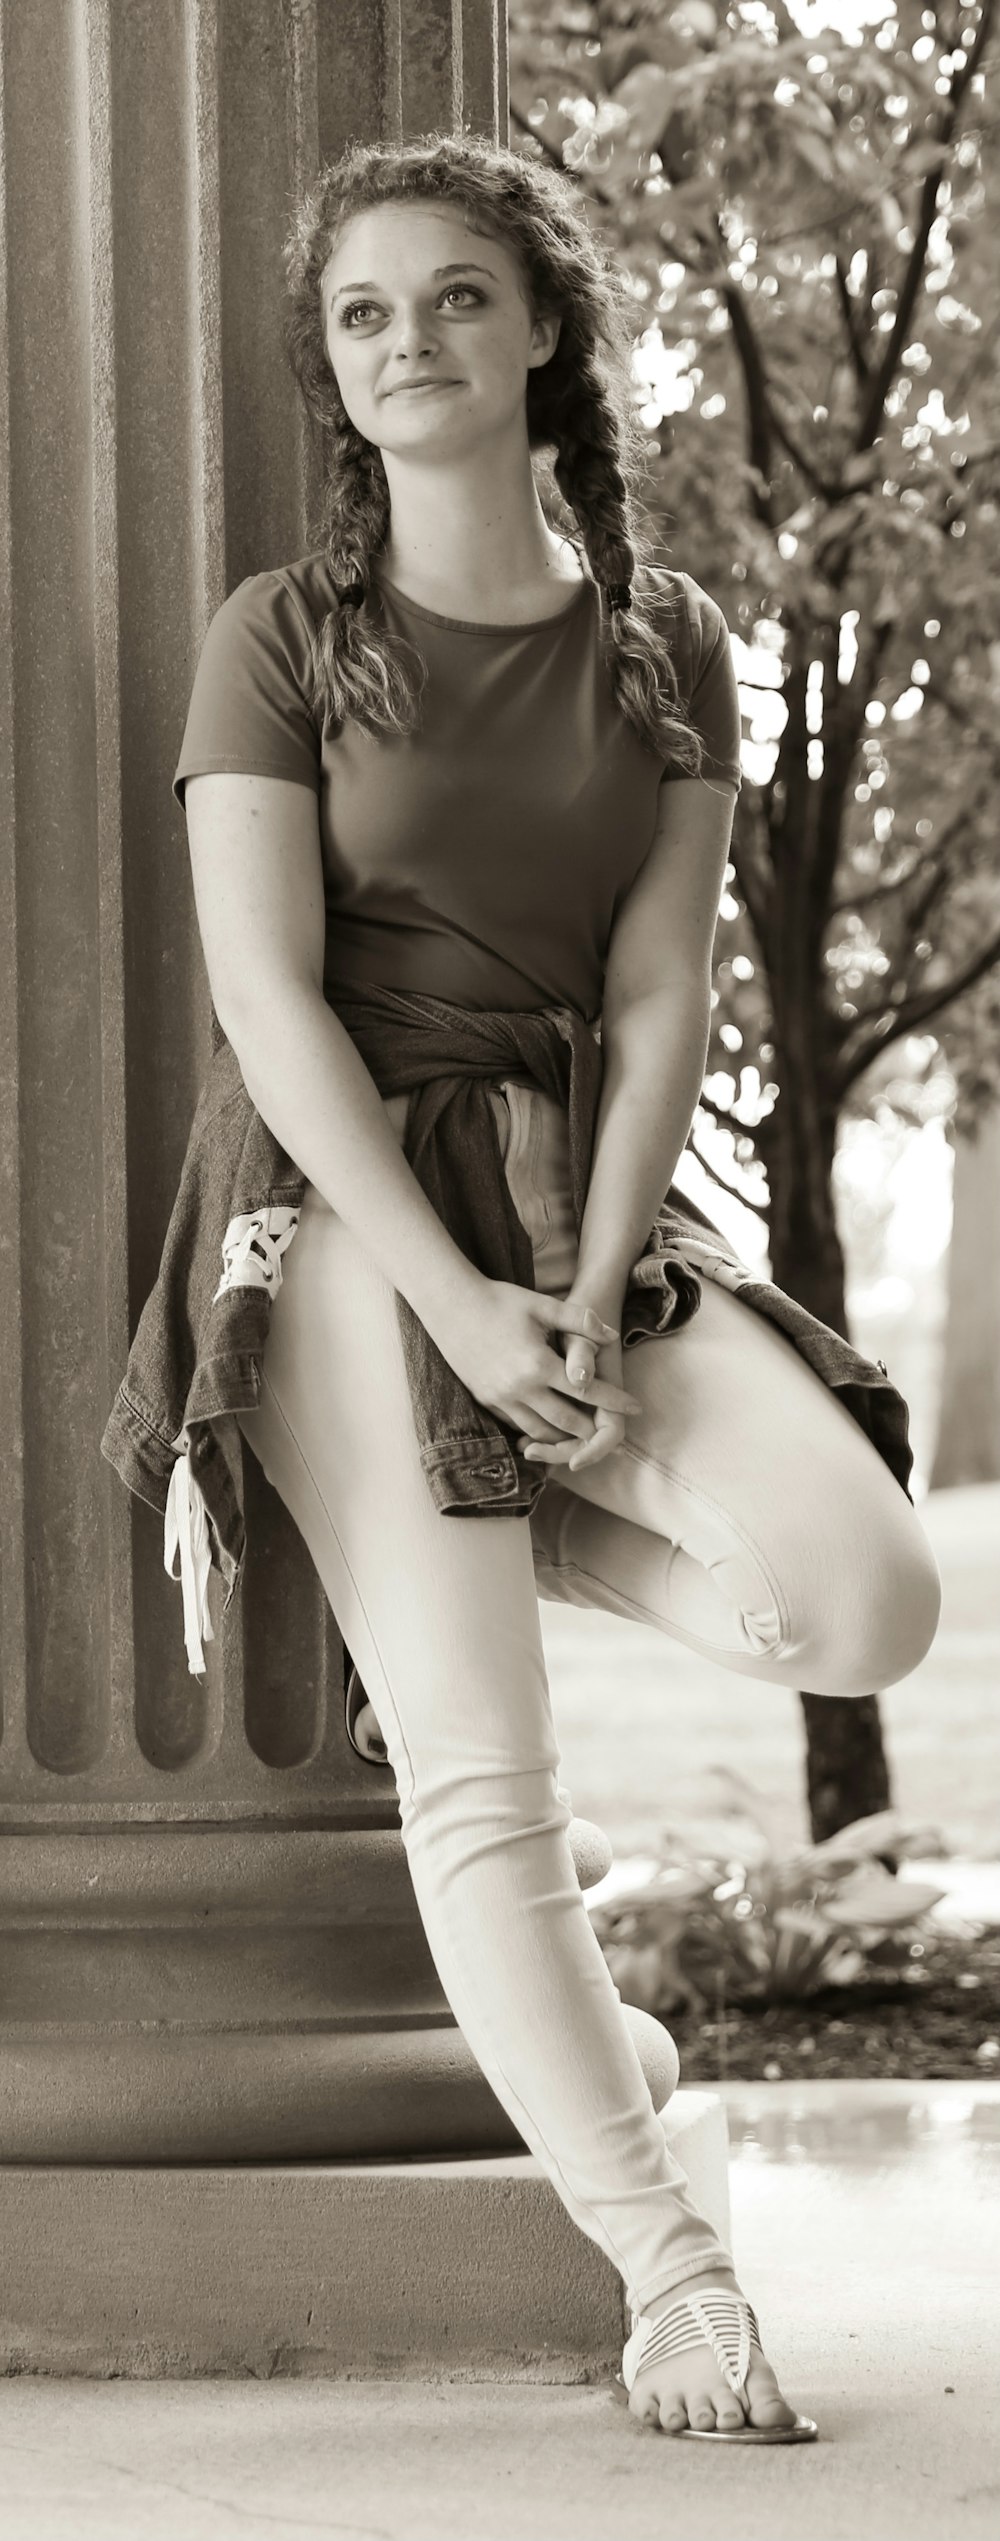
column 887, row 1614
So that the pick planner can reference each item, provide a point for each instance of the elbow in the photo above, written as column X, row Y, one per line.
column 257, row 1024
column 672, row 1004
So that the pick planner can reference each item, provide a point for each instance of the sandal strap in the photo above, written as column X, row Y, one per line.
column 726, row 2323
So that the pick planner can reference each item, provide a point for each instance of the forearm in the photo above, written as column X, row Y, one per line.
column 309, row 1083
column 654, row 1066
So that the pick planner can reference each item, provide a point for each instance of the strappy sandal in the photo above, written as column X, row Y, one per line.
column 355, row 1699
column 728, row 2325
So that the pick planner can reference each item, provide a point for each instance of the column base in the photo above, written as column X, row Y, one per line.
column 470, row 2268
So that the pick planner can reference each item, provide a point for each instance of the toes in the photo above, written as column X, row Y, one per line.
column 673, row 2417
column 729, row 2416
column 767, row 2408
column 703, row 2413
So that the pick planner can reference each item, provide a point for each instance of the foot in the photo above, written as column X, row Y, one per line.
column 689, row 2390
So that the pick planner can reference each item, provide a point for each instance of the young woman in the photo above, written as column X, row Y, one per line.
column 464, row 754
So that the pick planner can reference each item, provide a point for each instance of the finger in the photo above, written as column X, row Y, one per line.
column 598, row 1391
column 574, row 1420
column 569, row 1452
column 568, row 1316
column 607, row 1435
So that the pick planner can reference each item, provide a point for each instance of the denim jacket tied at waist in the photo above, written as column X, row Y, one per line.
column 172, row 1434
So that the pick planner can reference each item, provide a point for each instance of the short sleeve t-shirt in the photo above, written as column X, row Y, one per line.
column 482, row 858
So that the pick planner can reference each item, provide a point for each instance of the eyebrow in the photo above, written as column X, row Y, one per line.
column 439, row 270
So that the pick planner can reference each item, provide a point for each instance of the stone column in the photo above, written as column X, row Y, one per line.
column 210, row 1944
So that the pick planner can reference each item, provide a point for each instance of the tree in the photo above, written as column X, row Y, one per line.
column 968, row 1441
column 808, row 224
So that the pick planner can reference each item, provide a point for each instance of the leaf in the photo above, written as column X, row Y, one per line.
column 647, row 93
column 636, row 1972
column 857, row 1842
column 874, row 1897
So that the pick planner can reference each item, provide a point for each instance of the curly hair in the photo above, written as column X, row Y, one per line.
column 580, row 414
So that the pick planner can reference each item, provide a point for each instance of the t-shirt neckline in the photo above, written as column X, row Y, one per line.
column 476, row 626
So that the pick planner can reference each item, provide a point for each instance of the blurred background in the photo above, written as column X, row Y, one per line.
column 804, row 201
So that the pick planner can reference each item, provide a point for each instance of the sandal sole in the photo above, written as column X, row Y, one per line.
column 804, row 2431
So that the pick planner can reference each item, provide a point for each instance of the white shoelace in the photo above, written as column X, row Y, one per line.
column 251, row 1251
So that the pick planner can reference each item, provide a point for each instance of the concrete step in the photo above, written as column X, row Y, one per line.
column 469, row 2267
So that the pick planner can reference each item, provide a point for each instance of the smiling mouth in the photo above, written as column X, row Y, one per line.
column 412, row 387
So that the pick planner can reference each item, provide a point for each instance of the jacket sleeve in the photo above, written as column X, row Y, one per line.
column 250, row 712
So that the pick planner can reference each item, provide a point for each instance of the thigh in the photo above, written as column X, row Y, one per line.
column 440, row 1613
column 790, row 1543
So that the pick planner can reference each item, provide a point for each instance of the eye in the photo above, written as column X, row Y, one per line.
column 352, row 306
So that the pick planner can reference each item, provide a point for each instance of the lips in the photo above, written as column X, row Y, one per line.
column 409, row 387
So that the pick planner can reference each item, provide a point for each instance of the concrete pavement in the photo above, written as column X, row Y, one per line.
column 867, row 2228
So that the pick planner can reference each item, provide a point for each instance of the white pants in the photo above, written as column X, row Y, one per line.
column 746, row 1515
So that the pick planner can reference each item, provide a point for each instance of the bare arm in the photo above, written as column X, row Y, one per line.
column 258, row 880
column 654, row 1030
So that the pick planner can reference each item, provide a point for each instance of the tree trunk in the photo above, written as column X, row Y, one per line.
column 847, row 1775
column 968, row 1440
column 847, row 1772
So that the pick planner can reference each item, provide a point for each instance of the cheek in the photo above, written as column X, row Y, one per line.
column 353, row 380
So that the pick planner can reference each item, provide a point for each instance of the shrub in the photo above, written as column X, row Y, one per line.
column 762, row 1927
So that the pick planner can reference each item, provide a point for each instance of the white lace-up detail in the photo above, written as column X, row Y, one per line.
column 252, row 1247
column 251, row 1252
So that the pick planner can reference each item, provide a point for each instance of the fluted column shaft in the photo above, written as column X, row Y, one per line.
column 209, row 1941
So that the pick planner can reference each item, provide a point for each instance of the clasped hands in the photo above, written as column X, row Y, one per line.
column 591, row 1439
column 500, row 1339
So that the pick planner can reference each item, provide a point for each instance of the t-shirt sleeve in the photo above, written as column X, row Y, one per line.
column 713, row 697
column 250, row 711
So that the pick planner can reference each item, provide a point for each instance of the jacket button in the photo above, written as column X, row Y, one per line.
column 487, row 1473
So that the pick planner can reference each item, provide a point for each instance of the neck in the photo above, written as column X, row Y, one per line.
column 469, row 530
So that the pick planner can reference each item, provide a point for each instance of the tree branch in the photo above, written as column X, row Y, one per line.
column 917, row 1010
column 925, row 864
column 854, row 900
column 938, row 695
column 881, row 382
column 761, row 425
column 859, row 357
column 725, row 1119
column 759, row 1208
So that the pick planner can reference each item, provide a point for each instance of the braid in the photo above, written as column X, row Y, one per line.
column 363, row 668
column 588, row 472
column 588, row 476
column 577, row 404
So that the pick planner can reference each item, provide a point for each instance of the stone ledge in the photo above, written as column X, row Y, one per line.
column 470, row 2268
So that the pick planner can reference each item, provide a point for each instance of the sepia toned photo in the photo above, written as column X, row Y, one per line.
column 500, row 1757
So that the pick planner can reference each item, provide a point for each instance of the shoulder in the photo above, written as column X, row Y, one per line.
column 288, row 600
column 690, row 614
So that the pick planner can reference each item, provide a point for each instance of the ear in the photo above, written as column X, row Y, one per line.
column 544, row 338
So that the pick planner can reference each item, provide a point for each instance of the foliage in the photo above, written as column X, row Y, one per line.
column 763, row 1927
column 808, row 222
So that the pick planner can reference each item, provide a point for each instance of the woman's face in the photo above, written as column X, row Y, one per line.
column 413, row 293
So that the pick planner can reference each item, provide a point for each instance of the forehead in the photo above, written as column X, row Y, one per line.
column 405, row 241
